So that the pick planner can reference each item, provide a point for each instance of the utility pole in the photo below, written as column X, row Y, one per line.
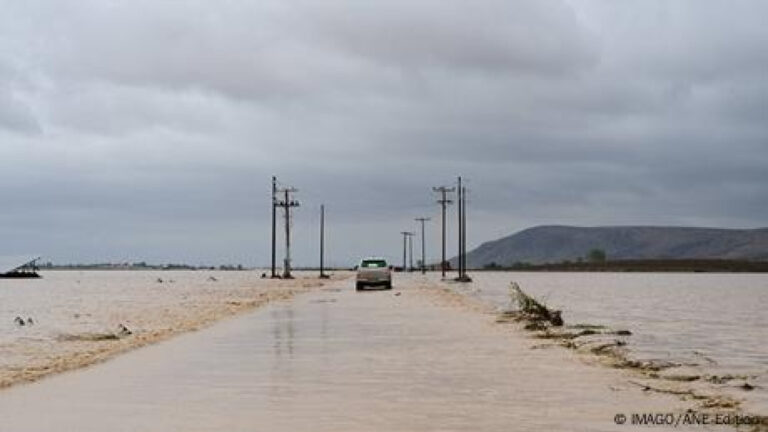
column 443, row 201
column 410, row 251
column 286, row 204
column 462, row 205
column 423, row 245
column 464, row 233
column 459, row 203
column 274, row 224
column 322, row 242
column 406, row 235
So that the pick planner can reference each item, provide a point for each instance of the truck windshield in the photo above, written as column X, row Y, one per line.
column 373, row 263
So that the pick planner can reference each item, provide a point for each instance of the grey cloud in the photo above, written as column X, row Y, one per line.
column 156, row 125
column 15, row 114
column 291, row 48
column 501, row 37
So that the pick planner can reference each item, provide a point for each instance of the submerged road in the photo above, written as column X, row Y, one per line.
column 336, row 360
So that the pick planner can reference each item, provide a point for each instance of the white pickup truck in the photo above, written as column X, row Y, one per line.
column 373, row 272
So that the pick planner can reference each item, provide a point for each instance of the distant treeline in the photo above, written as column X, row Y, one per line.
column 137, row 266
column 145, row 266
column 650, row 265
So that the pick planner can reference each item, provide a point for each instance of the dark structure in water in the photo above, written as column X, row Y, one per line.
column 19, row 267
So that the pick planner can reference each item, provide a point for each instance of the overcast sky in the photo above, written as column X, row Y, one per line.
column 148, row 130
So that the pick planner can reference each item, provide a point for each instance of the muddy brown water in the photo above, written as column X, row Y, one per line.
column 714, row 324
column 335, row 360
column 71, row 319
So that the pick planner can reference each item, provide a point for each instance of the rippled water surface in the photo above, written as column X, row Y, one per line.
column 77, row 301
column 335, row 359
column 717, row 321
column 67, row 312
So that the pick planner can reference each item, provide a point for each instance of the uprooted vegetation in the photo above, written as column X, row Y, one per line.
column 530, row 310
column 547, row 323
column 608, row 345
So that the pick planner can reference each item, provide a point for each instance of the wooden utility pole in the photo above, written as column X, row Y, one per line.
column 274, row 224
column 423, row 245
column 459, row 204
column 443, row 201
column 322, row 242
column 287, row 204
column 462, row 258
column 410, row 251
column 464, row 234
column 406, row 235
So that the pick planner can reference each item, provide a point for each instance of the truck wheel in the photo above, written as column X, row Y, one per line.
column 359, row 286
column 388, row 286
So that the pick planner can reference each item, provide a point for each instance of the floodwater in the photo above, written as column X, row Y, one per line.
column 715, row 323
column 334, row 359
column 337, row 360
column 73, row 318
column 72, row 302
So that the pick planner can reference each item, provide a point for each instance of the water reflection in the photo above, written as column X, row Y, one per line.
column 282, row 319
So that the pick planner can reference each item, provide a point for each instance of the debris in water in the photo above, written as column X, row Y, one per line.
column 531, row 310
column 606, row 347
column 212, row 279
column 88, row 337
column 122, row 330
column 723, row 379
column 535, row 326
column 19, row 321
column 708, row 401
column 678, row 378
column 30, row 321
column 708, row 359
column 593, row 339
column 587, row 327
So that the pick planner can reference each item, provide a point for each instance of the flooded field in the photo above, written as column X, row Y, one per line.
column 715, row 325
column 428, row 349
column 69, row 319
column 411, row 359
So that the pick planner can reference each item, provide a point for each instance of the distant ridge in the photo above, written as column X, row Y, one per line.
column 556, row 243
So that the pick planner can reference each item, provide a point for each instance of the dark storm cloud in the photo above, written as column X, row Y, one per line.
column 149, row 130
